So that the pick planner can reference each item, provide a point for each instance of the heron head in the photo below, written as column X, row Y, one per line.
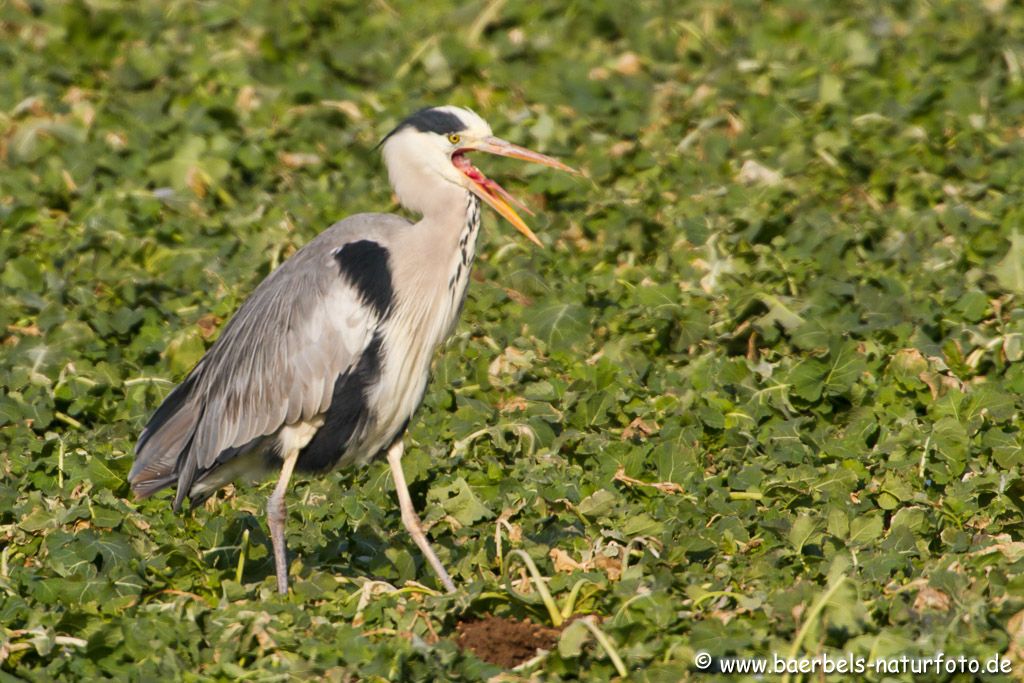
column 436, row 141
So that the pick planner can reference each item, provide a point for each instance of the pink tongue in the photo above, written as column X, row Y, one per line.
column 462, row 162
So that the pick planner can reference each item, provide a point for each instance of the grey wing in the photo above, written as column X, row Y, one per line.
column 275, row 362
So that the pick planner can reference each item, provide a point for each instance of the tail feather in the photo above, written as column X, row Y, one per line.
column 165, row 440
column 145, row 489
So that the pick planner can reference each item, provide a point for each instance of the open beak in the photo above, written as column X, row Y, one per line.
column 493, row 193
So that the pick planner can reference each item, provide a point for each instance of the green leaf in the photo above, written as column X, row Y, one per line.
column 780, row 312
column 572, row 639
column 807, row 378
column 458, row 500
column 803, row 531
column 865, row 528
column 642, row 525
column 838, row 523
column 559, row 324
column 101, row 475
column 830, row 89
column 599, row 503
column 912, row 518
column 950, row 438
column 1010, row 270
column 844, row 369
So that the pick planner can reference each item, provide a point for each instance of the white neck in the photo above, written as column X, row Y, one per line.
column 426, row 182
column 436, row 199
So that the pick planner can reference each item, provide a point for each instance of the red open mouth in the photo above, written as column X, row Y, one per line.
column 466, row 167
column 493, row 193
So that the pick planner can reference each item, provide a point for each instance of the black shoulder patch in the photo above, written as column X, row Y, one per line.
column 430, row 120
column 348, row 410
column 366, row 265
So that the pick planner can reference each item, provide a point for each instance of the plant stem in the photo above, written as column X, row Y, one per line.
column 538, row 582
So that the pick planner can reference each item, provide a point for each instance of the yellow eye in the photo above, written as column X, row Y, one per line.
column 454, row 138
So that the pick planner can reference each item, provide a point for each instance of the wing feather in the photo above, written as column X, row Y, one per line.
column 274, row 364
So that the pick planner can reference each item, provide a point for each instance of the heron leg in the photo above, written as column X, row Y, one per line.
column 409, row 517
column 276, row 516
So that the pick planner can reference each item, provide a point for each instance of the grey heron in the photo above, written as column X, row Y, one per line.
column 325, row 363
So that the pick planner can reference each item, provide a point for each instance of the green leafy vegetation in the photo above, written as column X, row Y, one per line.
column 761, row 393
